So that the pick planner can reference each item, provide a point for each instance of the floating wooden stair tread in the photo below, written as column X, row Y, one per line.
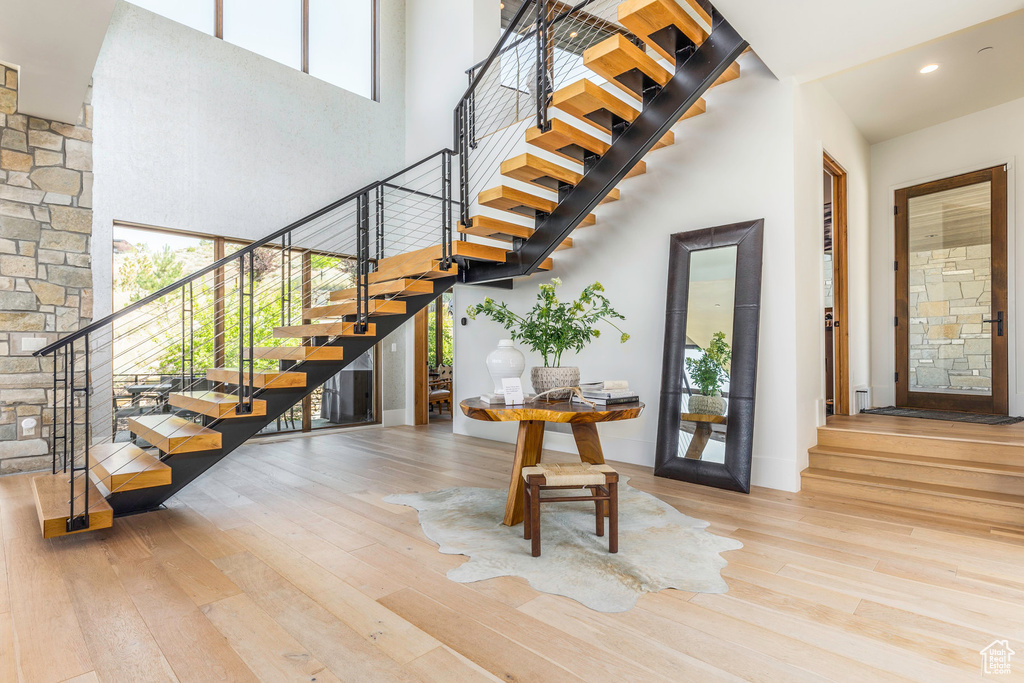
column 623, row 64
column 566, row 141
column 545, row 174
column 984, row 506
column 324, row 330
column 339, row 310
column 214, row 404
column 261, row 379
column 52, row 495
column 592, row 103
column 395, row 288
column 731, row 74
column 513, row 200
column 126, row 467
column 492, row 228
column 657, row 23
column 173, row 434
column 299, row 353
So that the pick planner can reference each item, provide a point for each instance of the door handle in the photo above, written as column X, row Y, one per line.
column 998, row 320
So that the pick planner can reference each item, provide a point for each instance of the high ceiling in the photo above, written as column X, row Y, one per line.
column 979, row 67
column 54, row 45
column 810, row 39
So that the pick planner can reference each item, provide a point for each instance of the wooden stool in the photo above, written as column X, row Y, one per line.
column 602, row 481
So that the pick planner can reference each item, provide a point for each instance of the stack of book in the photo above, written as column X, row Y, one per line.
column 607, row 393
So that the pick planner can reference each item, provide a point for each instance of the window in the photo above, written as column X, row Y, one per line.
column 332, row 40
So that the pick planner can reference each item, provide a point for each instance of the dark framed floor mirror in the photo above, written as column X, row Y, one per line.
column 709, row 372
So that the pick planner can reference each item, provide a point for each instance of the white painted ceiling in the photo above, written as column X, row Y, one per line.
column 54, row 45
column 890, row 97
column 810, row 39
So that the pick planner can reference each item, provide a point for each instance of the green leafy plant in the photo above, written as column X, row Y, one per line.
column 709, row 372
column 553, row 327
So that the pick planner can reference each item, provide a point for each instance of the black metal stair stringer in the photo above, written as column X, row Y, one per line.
column 185, row 467
column 686, row 87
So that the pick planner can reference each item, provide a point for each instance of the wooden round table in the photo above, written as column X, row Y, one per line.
column 531, row 418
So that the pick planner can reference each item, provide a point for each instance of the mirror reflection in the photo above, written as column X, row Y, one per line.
column 708, row 354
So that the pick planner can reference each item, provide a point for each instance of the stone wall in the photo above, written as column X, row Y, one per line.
column 950, row 294
column 45, row 269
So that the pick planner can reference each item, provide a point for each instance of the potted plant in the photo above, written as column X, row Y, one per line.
column 553, row 327
column 709, row 373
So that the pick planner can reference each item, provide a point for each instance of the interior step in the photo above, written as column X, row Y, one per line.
column 954, row 441
column 623, row 64
column 52, row 494
column 214, row 404
column 658, row 22
column 172, row 434
column 592, row 103
column 534, row 170
column 485, row 226
column 261, row 379
column 505, row 198
column 976, row 506
column 920, row 468
column 125, row 467
column 394, row 288
column 323, row 330
column 339, row 310
column 298, row 353
column 569, row 142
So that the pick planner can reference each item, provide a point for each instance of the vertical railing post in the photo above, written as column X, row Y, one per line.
column 245, row 350
column 362, row 263
column 463, row 152
column 79, row 521
column 446, row 210
column 542, row 64
column 379, row 214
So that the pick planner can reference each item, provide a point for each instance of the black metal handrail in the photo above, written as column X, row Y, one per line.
column 174, row 286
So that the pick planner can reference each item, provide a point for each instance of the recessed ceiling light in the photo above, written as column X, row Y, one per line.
column 573, row 34
column 930, row 68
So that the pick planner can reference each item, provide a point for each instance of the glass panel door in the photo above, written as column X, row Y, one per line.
column 951, row 334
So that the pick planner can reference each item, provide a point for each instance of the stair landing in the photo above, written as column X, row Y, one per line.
column 972, row 472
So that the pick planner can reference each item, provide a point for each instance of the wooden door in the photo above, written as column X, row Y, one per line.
column 951, row 299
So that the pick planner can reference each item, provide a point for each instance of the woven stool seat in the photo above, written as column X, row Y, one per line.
column 570, row 473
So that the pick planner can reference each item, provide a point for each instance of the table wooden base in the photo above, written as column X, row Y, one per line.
column 701, row 436
column 529, row 445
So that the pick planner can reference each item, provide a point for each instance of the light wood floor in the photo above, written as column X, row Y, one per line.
column 282, row 563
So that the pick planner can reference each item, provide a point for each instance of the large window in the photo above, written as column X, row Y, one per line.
column 151, row 359
column 333, row 40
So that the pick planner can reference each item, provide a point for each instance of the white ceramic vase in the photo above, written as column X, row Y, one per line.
column 544, row 379
column 506, row 361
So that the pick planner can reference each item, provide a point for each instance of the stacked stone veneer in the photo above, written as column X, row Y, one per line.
column 950, row 294
column 45, row 270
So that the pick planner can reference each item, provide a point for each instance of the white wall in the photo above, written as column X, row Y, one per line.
column 195, row 133
column 820, row 125
column 981, row 140
column 734, row 163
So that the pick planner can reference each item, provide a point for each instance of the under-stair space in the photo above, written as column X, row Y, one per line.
column 970, row 472
column 385, row 252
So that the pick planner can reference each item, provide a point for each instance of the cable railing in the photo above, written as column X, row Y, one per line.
column 225, row 313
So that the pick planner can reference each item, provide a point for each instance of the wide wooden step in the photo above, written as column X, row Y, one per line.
column 592, row 103
column 569, row 142
column 514, row 200
column 215, row 404
column 425, row 270
column 172, row 434
column 52, row 494
column 933, row 438
column 342, row 309
column 298, row 353
column 624, row 65
column 538, row 171
column 923, row 469
column 492, row 228
column 324, row 330
column 125, row 467
column 395, row 288
column 261, row 379
column 977, row 506
column 657, row 21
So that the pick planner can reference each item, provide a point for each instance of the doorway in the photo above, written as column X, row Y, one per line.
column 834, row 316
column 434, row 326
column 951, row 345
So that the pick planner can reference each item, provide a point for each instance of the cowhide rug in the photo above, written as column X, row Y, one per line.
column 659, row 547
